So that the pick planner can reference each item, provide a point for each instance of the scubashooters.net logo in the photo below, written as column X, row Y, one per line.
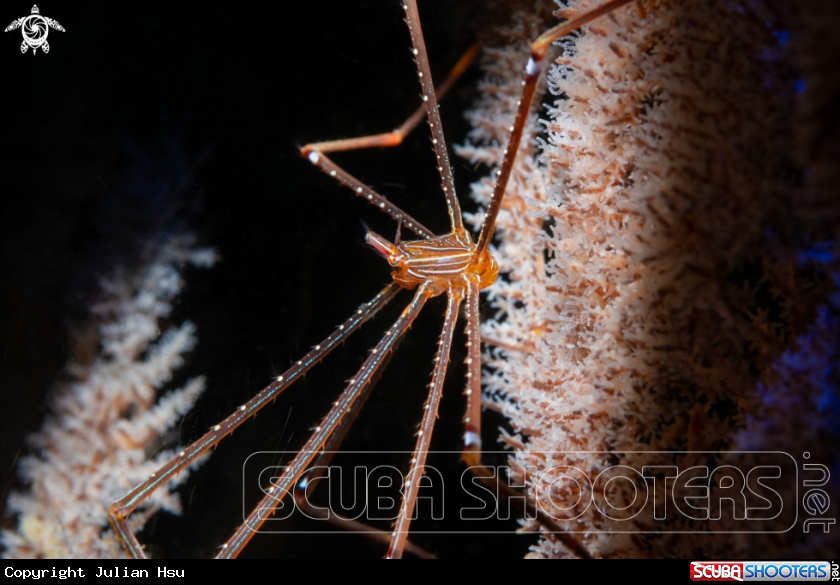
column 764, row 571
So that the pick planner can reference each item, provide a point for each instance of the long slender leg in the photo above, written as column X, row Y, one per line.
column 121, row 509
column 472, row 418
column 525, row 347
column 289, row 477
column 424, row 435
column 539, row 48
column 316, row 152
column 309, row 481
column 472, row 433
column 328, row 166
column 430, row 101
column 395, row 137
column 381, row 536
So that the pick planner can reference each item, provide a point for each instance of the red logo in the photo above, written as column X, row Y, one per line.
column 714, row 571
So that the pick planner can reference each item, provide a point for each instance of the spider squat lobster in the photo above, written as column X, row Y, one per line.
column 433, row 265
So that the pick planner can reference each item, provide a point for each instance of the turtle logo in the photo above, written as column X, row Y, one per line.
column 35, row 29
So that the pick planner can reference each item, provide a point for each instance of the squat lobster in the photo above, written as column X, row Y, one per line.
column 433, row 265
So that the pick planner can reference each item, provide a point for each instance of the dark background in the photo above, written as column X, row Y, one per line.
column 229, row 91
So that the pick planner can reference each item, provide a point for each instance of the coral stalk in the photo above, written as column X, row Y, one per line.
column 675, row 291
column 106, row 425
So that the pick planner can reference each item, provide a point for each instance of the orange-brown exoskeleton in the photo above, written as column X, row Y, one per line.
column 433, row 265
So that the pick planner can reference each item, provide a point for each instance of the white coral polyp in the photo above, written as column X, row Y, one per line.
column 92, row 451
column 665, row 131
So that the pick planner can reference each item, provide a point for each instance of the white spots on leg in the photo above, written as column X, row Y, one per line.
column 471, row 438
column 314, row 158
